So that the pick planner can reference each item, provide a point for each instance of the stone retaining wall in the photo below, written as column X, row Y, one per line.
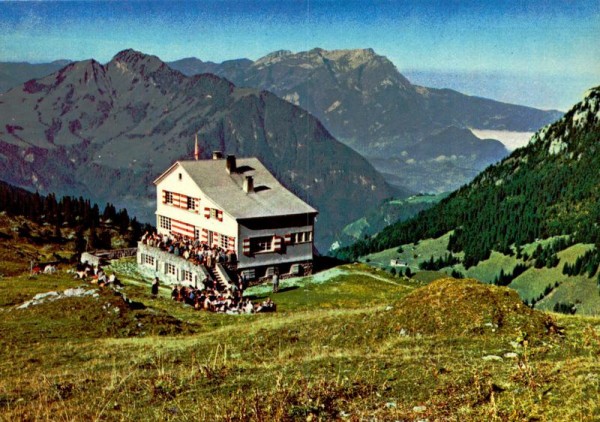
column 153, row 263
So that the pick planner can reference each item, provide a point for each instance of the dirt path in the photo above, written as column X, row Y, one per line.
column 385, row 280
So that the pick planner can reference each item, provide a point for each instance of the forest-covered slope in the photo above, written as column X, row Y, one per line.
column 550, row 187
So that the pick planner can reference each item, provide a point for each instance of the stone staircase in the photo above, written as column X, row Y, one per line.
column 221, row 276
column 219, row 283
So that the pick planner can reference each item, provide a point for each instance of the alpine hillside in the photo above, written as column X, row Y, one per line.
column 41, row 229
column 365, row 102
column 106, row 131
column 540, row 202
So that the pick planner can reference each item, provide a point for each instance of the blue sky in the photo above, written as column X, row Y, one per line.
column 549, row 45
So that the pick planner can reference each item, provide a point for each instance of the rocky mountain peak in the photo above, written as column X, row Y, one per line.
column 588, row 110
column 274, row 57
column 136, row 61
column 584, row 115
column 348, row 59
column 73, row 74
column 355, row 56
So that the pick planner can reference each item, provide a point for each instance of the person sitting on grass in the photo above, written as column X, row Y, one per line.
column 102, row 280
column 114, row 281
column 266, row 306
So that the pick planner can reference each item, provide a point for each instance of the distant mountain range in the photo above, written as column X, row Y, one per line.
column 106, row 131
column 13, row 74
column 366, row 103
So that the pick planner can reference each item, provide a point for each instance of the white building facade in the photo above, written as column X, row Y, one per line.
column 239, row 206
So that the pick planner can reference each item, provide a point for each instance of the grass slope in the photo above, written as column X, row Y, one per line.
column 16, row 252
column 532, row 284
column 334, row 350
column 412, row 254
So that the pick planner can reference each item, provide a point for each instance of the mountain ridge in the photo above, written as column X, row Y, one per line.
column 104, row 130
column 365, row 102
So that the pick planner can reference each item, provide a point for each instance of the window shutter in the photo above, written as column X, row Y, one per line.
column 219, row 215
column 277, row 243
column 206, row 212
column 231, row 243
column 204, row 236
column 246, row 247
column 197, row 205
column 175, row 201
column 288, row 238
column 164, row 197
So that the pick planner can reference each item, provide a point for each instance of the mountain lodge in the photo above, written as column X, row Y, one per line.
column 236, row 206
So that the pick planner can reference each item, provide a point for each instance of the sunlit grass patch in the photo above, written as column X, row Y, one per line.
column 336, row 351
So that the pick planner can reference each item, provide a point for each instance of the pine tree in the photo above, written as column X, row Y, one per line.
column 104, row 240
column 79, row 240
column 57, row 234
column 93, row 239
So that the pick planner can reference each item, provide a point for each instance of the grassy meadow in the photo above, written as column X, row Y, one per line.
column 342, row 346
column 581, row 290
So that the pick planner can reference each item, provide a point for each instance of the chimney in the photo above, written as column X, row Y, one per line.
column 248, row 184
column 217, row 155
column 230, row 164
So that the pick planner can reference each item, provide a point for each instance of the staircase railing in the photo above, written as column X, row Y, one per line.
column 221, row 273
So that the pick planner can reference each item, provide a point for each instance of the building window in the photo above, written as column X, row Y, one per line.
column 213, row 213
column 180, row 176
column 170, row 269
column 261, row 244
column 302, row 237
column 191, row 203
column 164, row 222
column 149, row 260
column 168, row 197
column 224, row 241
column 188, row 276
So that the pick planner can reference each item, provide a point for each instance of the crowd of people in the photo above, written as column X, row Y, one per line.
column 209, row 295
column 96, row 275
column 192, row 250
column 229, row 301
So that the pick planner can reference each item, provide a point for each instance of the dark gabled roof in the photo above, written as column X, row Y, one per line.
column 270, row 198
